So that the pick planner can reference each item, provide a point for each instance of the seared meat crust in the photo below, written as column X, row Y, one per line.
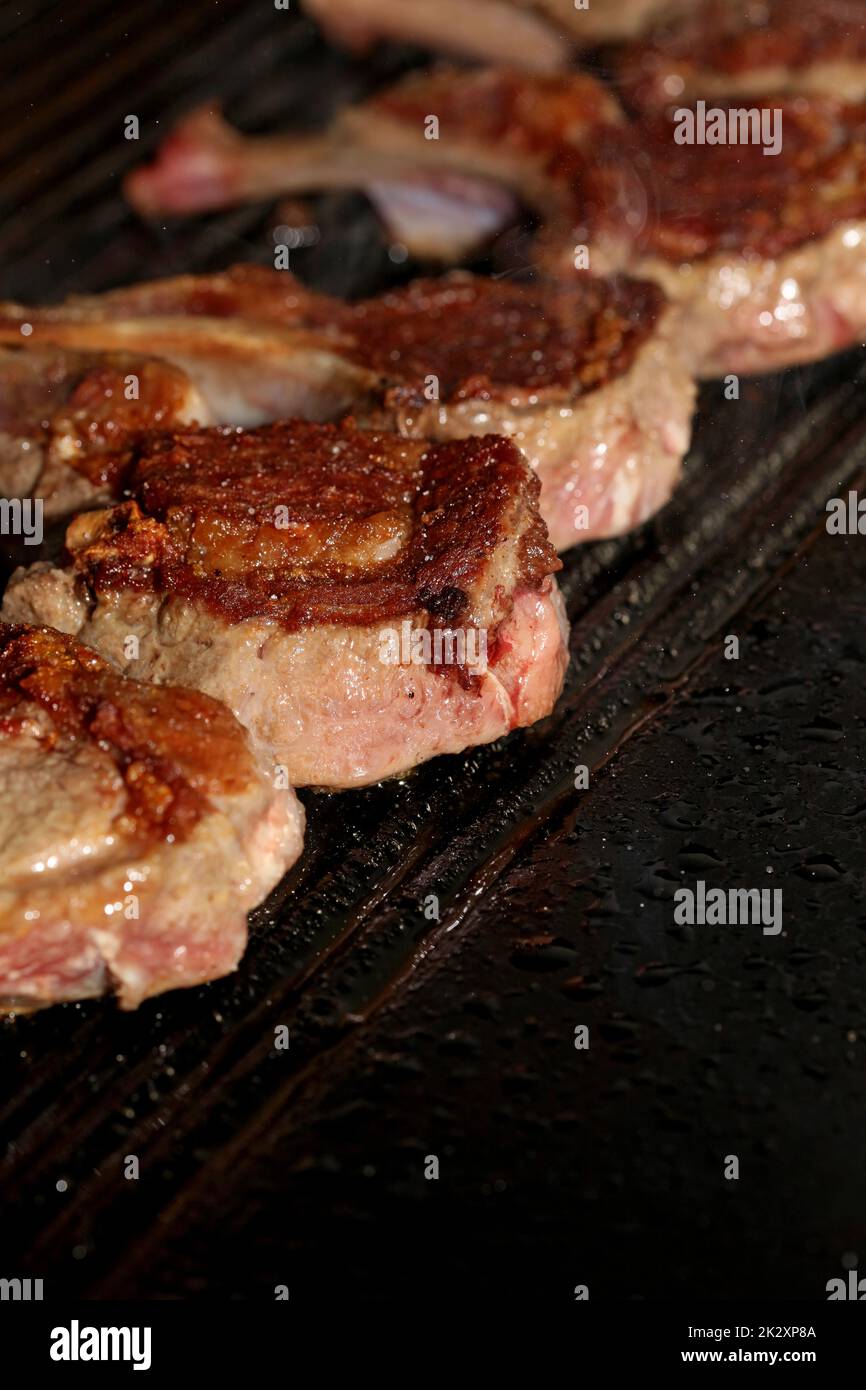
column 689, row 201
column 307, row 524
column 70, row 422
column 174, row 750
column 494, row 340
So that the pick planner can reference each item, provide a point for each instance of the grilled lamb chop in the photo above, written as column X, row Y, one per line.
column 537, row 35
column 764, row 255
column 70, row 421
column 585, row 376
column 137, row 829
column 498, row 131
column 248, row 339
column 276, row 569
column 204, row 165
column 758, row 48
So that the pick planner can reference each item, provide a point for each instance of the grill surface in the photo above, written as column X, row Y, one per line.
column 411, row 1037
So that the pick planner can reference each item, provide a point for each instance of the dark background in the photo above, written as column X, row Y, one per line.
column 410, row 1037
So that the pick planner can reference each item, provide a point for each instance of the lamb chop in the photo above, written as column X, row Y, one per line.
column 764, row 256
column 584, row 375
column 537, row 35
column 248, row 340
column 362, row 602
column 759, row 48
column 204, row 165
column 138, row 828
column 443, row 197
column 91, row 378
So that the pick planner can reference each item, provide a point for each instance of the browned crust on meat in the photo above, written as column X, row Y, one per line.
column 697, row 200
column 630, row 183
column 737, row 40
column 174, row 749
column 102, row 426
column 95, row 407
column 307, row 524
column 495, row 340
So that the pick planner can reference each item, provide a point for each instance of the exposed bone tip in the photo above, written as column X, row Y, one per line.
column 190, row 171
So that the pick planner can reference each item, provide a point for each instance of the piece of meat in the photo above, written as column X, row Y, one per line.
column 495, row 126
column 70, row 421
column 137, row 828
column 585, row 375
column 535, row 35
column 763, row 253
column 205, row 165
column 758, row 48
column 248, row 339
column 496, row 129
column 276, row 570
